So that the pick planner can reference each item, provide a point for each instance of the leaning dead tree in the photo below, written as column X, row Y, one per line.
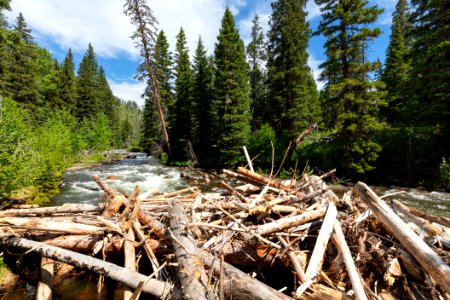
column 144, row 37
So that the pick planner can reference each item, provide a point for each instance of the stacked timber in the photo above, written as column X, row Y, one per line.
column 265, row 239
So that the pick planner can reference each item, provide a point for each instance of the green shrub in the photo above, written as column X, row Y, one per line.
column 260, row 146
column 444, row 173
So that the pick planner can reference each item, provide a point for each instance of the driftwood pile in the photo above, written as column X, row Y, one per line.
column 266, row 239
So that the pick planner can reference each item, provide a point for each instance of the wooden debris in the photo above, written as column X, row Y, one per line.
column 426, row 257
column 267, row 239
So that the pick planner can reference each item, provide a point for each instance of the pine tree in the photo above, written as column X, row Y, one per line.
column 257, row 56
column 142, row 16
column 88, row 101
column 162, row 61
column 293, row 95
column 21, row 82
column 429, row 87
column 397, row 68
column 203, row 102
column 180, row 117
column 351, row 99
column 67, row 84
column 232, row 93
column 106, row 96
column 164, row 73
column 4, row 41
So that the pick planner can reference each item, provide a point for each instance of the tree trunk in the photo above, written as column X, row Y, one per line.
column 45, row 285
column 426, row 257
column 67, row 208
column 131, row 278
column 190, row 269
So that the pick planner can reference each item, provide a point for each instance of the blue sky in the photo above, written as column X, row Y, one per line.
column 62, row 24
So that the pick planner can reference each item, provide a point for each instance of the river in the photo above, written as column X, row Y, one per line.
column 150, row 174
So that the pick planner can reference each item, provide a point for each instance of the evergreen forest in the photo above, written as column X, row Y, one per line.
column 382, row 122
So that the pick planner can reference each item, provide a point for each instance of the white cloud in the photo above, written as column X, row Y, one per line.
column 314, row 63
column 128, row 90
column 74, row 24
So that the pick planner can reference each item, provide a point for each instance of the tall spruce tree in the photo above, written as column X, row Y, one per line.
column 106, row 97
column 257, row 56
column 67, row 84
column 429, row 108
column 203, row 102
column 351, row 98
column 142, row 17
column 4, row 41
column 162, row 61
column 397, row 68
column 180, row 117
column 88, row 100
column 232, row 93
column 21, row 82
column 293, row 95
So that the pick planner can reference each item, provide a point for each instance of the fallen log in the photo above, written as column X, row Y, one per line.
column 425, row 225
column 316, row 260
column 427, row 258
column 436, row 219
column 130, row 260
column 52, row 226
column 65, row 209
column 190, row 269
column 263, row 179
column 130, row 278
column 85, row 243
column 45, row 284
column 238, row 285
column 289, row 222
column 339, row 239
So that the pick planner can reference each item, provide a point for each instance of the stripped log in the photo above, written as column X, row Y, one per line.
column 65, row 209
column 315, row 262
column 114, row 201
column 190, row 269
column 339, row 239
column 45, row 284
column 85, row 243
column 425, row 225
column 148, row 247
column 52, row 226
column 130, row 260
column 263, row 179
column 237, row 284
column 155, row 226
column 289, row 222
column 426, row 257
column 130, row 278
column 436, row 219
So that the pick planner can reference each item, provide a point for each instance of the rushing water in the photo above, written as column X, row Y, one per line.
column 124, row 175
column 150, row 174
column 432, row 202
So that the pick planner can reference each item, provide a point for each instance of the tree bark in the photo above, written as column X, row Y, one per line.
column 190, row 269
column 131, row 278
column 238, row 285
column 67, row 208
column 427, row 258
column 45, row 225
column 339, row 238
column 263, row 179
column 45, row 284
column 289, row 222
